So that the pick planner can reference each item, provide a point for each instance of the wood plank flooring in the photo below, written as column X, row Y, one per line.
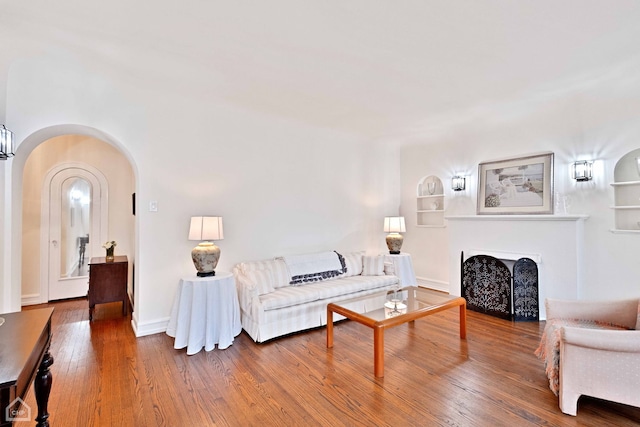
column 104, row 376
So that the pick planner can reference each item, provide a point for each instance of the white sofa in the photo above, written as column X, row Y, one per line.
column 271, row 306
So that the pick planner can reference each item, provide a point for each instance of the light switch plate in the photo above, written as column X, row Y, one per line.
column 153, row 206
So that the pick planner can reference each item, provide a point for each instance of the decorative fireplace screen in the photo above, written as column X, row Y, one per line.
column 490, row 288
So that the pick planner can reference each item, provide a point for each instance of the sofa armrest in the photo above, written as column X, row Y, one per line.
column 389, row 269
column 247, row 290
column 614, row 341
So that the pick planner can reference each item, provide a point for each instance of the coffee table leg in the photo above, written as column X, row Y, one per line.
column 463, row 320
column 329, row 328
column 378, row 351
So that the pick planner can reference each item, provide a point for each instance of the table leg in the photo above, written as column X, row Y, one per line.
column 463, row 320
column 329, row 328
column 378, row 351
column 42, row 386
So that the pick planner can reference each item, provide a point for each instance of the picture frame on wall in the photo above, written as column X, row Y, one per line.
column 516, row 186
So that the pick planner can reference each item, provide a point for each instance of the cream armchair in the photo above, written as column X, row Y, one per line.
column 592, row 348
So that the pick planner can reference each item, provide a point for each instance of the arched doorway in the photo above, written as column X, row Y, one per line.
column 71, row 228
column 81, row 146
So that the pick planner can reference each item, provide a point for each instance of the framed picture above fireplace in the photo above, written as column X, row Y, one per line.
column 521, row 185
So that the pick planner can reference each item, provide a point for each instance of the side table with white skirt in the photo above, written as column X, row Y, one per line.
column 205, row 313
column 403, row 268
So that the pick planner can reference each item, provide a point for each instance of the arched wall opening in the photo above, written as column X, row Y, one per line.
column 55, row 145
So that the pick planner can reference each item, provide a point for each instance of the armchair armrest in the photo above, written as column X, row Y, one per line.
column 620, row 312
column 614, row 341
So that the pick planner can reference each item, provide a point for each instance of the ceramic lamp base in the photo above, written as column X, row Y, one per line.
column 394, row 243
column 205, row 257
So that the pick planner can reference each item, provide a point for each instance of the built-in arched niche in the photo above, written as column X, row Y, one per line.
column 430, row 202
column 626, row 189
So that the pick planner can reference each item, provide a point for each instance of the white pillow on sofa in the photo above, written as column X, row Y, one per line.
column 353, row 263
column 262, row 280
column 373, row 265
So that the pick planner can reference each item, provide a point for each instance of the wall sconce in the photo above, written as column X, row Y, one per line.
column 582, row 170
column 6, row 143
column 458, row 183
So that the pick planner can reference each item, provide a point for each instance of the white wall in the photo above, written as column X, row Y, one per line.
column 281, row 186
column 595, row 119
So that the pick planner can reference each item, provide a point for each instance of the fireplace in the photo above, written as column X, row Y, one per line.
column 554, row 242
column 491, row 287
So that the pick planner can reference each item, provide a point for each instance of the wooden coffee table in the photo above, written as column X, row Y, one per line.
column 416, row 303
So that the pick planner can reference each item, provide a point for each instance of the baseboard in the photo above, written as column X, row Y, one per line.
column 149, row 328
column 437, row 285
column 31, row 299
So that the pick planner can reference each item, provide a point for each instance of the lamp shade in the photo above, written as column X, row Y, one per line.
column 394, row 224
column 206, row 228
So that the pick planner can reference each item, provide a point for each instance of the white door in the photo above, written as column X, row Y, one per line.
column 74, row 226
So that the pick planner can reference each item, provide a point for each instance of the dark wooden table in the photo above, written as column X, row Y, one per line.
column 108, row 282
column 25, row 338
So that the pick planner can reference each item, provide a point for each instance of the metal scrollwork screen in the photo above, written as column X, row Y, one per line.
column 525, row 290
column 486, row 285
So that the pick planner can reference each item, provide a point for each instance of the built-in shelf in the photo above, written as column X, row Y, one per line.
column 623, row 183
column 618, row 231
column 430, row 202
column 626, row 194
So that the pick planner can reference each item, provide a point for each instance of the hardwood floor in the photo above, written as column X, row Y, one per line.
column 104, row 376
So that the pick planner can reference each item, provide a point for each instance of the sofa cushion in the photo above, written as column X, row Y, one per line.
column 353, row 263
column 287, row 296
column 293, row 295
column 277, row 267
column 348, row 285
column 262, row 280
column 373, row 265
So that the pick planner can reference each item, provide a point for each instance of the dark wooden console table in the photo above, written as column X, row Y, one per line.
column 108, row 282
column 25, row 338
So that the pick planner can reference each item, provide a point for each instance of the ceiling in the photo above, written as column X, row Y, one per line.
column 379, row 69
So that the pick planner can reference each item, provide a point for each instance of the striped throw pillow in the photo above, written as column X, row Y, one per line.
column 373, row 266
column 353, row 263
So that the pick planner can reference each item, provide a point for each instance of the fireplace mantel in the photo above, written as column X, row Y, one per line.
column 555, row 242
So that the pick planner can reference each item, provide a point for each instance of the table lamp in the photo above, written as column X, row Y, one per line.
column 205, row 256
column 394, row 225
